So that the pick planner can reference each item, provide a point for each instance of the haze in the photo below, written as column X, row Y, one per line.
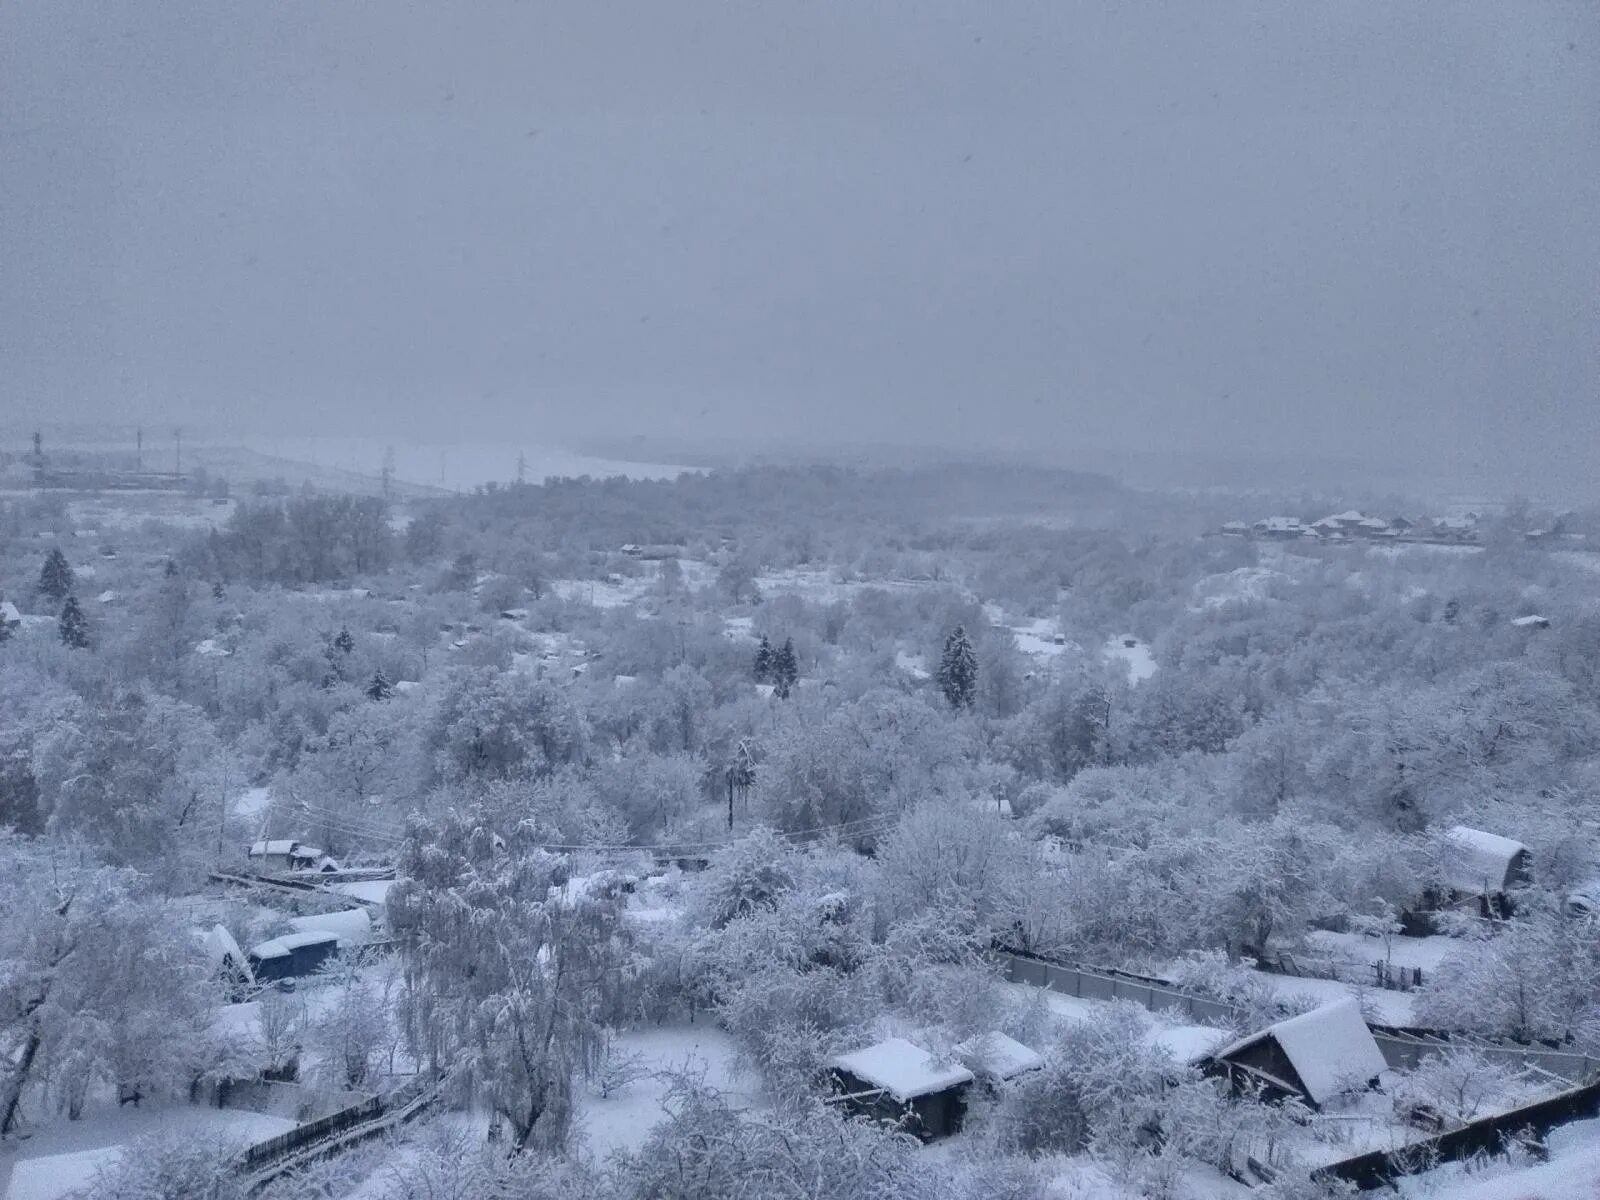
column 1362, row 230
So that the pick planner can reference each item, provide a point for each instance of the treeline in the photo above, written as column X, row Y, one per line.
column 307, row 539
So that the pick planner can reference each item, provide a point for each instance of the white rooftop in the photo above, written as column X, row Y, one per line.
column 902, row 1069
column 1330, row 1048
column 1477, row 862
column 353, row 927
column 999, row 1055
column 280, row 846
column 280, row 947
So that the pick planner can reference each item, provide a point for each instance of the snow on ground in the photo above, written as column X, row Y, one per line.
column 912, row 664
column 374, row 891
column 1140, row 664
column 1040, row 638
column 66, row 1155
column 601, row 593
column 1573, row 1173
column 1381, row 1005
column 1424, row 952
column 624, row 1120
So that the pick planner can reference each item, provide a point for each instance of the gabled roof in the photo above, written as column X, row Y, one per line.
column 9, row 613
column 1329, row 1047
column 902, row 1069
column 998, row 1055
column 1479, row 863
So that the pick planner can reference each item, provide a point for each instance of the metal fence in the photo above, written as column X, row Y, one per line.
column 1089, row 984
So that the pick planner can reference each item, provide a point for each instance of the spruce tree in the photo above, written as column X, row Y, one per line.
column 55, row 577
column 764, row 660
column 74, row 626
column 785, row 670
column 343, row 642
column 380, row 688
column 958, row 670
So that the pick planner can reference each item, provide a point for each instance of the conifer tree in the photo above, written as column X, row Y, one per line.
column 56, row 578
column 785, row 670
column 764, row 660
column 958, row 670
column 74, row 626
column 343, row 642
column 380, row 688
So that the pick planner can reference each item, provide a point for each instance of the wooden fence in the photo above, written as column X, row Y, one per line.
column 1402, row 1048
column 1490, row 1135
column 261, row 1153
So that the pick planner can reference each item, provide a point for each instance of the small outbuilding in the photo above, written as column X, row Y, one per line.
column 225, row 957
column 996, row 1056
column 1313, row 1057
column 293, row 955
column 902, row 1084
column 1483, row 867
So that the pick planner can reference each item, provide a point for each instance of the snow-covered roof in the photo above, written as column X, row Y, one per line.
column 221, row 948
column 281, row 947
column 902, row 1069
column 1478, row 863
column 352, row 926
column 1280, row 523
column 9, row 613
column 280, row 846
column 1186, row 1043
column 998, row 1055
column 307, row 852
column 1329, row 1047
column 1531, row 621
column 372, row 891
column 211, row 648
column 106, row 597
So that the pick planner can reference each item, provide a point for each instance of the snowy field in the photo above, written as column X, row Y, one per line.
column 623, row 1120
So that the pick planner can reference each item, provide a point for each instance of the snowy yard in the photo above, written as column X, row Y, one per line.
column 66, row 1155
column 623, row 1120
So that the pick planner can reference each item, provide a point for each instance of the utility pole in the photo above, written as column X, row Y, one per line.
column 177, row 451
column 138, row 442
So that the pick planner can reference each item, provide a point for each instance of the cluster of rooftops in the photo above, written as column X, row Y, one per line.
column 1312, row 1057
column 1353, row 523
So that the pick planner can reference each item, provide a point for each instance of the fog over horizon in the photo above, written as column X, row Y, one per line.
column 1361, row 232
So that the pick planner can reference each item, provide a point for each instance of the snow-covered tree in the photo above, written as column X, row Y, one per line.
column 73, row 626
column 512, row 976
column 958, row 669
column 56, row 577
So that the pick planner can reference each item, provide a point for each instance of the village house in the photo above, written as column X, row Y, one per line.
column 1281, row 528
column 1312, row 1057
column 904, row 1085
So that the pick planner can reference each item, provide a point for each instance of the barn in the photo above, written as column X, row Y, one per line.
column 1313, row 1057
column 901, row 1083
column 292, row 955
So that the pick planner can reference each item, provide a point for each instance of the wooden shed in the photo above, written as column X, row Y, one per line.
column 1483, row 867
column 902, row 1084
column 1312, row 1057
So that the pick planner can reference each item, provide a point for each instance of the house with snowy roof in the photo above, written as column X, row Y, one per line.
column 1480, row 868
column 1313, row 1057
column 1279, row 527
column 10, row 617
column 900, row 1083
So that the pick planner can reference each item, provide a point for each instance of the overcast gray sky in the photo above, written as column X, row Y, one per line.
column 1348, row 228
